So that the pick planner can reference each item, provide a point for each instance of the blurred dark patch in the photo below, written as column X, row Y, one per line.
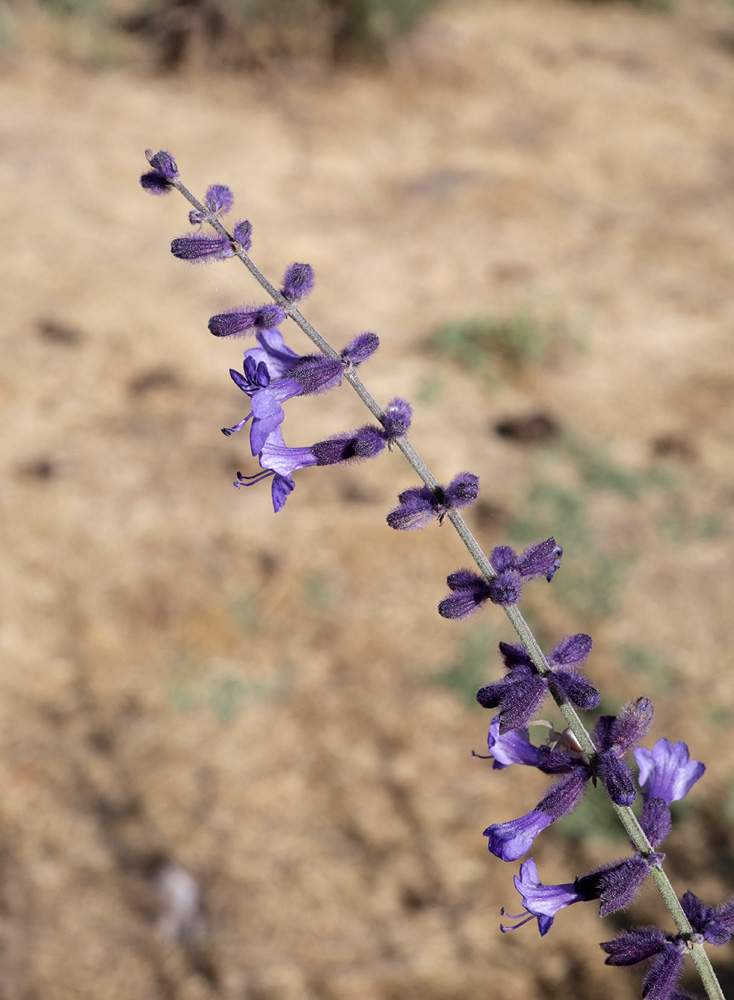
column 725, row 41
column 153, row 380
column 413, row 899
column 513, row 270
column 236, row 35
column 101, row 740
column 58, row 333
column 674, row 446
column 441, row 182
column 529, row 429
column 351, row 491
column 41, row 469
column 489, row 515
column 269, row 563
column 650, row 5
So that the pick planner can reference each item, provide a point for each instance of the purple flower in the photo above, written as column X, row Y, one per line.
column 470, row 591
column 616, row 884
column 616, row 777
column 523, row 690
column 419, row 506
column 714, row 924
column 280, row 461
column 298, row 282
column 198, row 247
column 397, row 418
column 219, row 200
column 541, row 901
column 620, row 733
column 361, row 348
column 514, row 747
column 614, row 737
column 160, row 179
column 242, row 233
column 518, row 696
column 655, row 820
column 510, row 840
column 238, row 322
column 666, row 775
column 643, row 943
column 634, row 946
column 666, row 772
column 273, row 373
column 662, row 977
column 542, row 559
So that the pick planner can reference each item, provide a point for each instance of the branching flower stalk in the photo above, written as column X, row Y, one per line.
column 272, row 374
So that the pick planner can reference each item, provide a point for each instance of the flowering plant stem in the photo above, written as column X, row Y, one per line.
column 626, row 816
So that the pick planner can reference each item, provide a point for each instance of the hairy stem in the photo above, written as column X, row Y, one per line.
column 627, row 818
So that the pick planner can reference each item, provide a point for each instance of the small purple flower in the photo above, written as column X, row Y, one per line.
column 419, row 506
column 164, row 172
column 201, row 247
column 541, row 901
column 398, row 415
column 634, row 946
column 666, row 771
column 242, row 233
column 273, row 374
column 666, row 775
column 510, row 840
column 298, row 282
column 366, row 442
column 280, row 461
column 614, row 737
column 219, row 200
column 541, row 559
column 518, row 696
column 470, row 591
column 361, row 348
column 714, row 924
column 656, row 821
column 616, row 777
column 241, row 321
column 514, row 747
column 616, row 884
column 523, row 690
column 662, row 977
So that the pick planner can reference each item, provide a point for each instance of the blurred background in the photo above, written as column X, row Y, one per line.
column 235, row 748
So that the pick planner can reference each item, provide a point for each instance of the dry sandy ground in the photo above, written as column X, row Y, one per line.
column 201, row 697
